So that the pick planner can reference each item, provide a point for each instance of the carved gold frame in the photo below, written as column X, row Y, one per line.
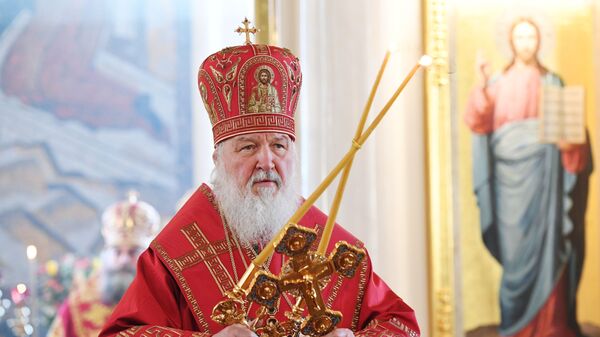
column 439, row 189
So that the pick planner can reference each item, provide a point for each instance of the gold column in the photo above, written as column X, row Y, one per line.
column 264, row 12
column 439, row 167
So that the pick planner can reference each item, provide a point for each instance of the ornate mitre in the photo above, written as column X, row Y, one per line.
column 130, row 223
column 250, row 88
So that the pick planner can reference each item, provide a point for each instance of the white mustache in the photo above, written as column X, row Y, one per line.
column 265, row 175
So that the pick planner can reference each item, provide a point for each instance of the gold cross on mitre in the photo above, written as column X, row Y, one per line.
column 247, row 30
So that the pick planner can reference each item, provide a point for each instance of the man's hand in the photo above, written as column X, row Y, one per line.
column 236, row 330
column 341, row 333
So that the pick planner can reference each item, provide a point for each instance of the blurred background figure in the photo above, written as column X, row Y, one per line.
column 127, row 228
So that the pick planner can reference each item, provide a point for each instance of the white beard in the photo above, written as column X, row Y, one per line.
column 113, row 282
column 254, row 218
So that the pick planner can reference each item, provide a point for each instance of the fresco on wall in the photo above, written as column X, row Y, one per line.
column 94, row 101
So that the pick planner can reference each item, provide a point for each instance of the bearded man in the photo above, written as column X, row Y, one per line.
column 205, row 249
column 127, row 229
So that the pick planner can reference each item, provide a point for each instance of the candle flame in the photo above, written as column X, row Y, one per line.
column 393, row 47
column 425, row 61
column 31, row 252
column 21, row 288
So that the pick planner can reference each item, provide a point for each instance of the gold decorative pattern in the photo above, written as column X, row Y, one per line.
column 335, row 290
column 361, row 294
column 223, row 57
column 400, row 325
column 228, row 233
column 217, row 75
column 225, row 78
column 376, row 328
column 261, row 49
column 130, row 332
column 209, row 195
column 203, row 74
column 230, row 75
column 209, row 109
column 87, row 311
column 262, row 59
column 200, row 243
column 158, row 331
column 201, row 254
column 340, row 280
column 227, row 94
column 295, row 76
column 229, row 127
column 187, row 291
column 439, row 163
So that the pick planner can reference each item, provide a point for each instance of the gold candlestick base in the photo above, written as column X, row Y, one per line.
column 304, row 276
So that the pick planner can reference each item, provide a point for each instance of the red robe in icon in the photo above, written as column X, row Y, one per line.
column 82, row 314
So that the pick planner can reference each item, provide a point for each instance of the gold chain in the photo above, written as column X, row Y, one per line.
column 230, row 248
column 227, row 229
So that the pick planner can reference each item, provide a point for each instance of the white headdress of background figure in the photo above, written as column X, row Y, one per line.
column 130, row 222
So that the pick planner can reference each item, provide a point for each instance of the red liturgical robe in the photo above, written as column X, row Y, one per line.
column 82, row 314
column 195, row 260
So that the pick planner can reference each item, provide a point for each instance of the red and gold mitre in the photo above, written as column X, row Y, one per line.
column 250, row 88
column 130, row 223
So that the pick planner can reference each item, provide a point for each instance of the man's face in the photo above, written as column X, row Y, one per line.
column 525, row 41
column 119, row 258
column 264, row 77
column 118, row 271
column 245, row 155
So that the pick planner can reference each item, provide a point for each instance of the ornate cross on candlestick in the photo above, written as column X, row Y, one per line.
column 304, row 275
column 246, row 30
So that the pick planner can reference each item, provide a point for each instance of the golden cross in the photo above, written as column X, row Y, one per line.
column 247, row 30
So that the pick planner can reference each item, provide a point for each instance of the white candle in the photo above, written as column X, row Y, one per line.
column 31, row 256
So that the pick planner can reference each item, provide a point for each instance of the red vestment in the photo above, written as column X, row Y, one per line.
column 188, row 268
column 82, row 314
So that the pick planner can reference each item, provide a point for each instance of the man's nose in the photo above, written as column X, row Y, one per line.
column 265, row 159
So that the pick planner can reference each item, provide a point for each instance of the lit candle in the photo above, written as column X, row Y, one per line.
column 31, row 252
column 424, row 62
column 342, row 184
column 31, row 256
column 359, row 139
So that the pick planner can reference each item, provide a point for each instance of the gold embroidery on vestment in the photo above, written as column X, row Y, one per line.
column 187, row 291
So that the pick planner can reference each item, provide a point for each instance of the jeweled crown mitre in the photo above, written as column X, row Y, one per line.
column 250, row 88
column 130, row 222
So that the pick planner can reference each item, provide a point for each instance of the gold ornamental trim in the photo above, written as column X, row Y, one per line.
column 183, row 284
column 439, row 163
